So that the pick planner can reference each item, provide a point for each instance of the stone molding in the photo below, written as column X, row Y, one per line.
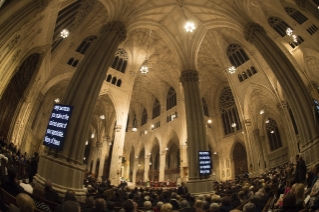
column 189, row 76
column 117, row 26
column 256, row 132
column 250, row 31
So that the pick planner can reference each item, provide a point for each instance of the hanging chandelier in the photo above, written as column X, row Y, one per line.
column 261, row 112
column 267, row 121
column 232, row 69
column 144, row 68
column 189, row 26
column 64, row 33
column 289, row 32
column 234, row 125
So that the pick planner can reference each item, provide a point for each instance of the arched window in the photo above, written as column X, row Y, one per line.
column 244, row 75
column 109, row 78
column 295, row 44
column 124, row 67
column 205, row 107
column 119, row 83
column 75, row 64
column 236, row 55
column 228, row 109
column 273, row 135
column 119, row 65
column 156, row 109
column 279, row 25
column 114, row 65
column 85, row 45
column 114, row 80
column 144, row 117
column 71, row 61
column 253, row 70
column 296, row 15
column 240, row 78
column 171, row 99
column 249, row 73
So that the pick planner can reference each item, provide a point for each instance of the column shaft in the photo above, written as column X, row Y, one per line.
column 260, row 150
column 297, row 94
column 162, row 166
column 147, row 167
column 82, row 93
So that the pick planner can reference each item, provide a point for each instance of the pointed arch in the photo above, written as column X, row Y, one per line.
column 171, row 98
column 236, row 55
column 156, row 109
column 144, row 117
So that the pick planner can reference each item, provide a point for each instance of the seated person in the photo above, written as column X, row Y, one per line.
column 225, row 205
column 24, row 203
column 51, row 195
column 11, row 185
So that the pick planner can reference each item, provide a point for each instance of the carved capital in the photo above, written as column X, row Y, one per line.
column 301, row 4
column 251, row 29
column 42, row 5
column 118, row 128
column 189, row 76
column 256, row 132
column 248, row 122
column 117, row 26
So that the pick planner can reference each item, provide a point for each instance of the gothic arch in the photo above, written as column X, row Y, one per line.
column 240, row 158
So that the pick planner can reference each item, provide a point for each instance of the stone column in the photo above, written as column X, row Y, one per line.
column 135, row 166
column 298, row 97
column 162, row 166
column 146, row 166
column 265, row 153
column 260, row 150
column 196, row 131
column 101, row 168
column 66, row 167
column 90, row 158
column 306, row 5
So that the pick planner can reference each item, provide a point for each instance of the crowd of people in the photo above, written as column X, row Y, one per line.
column 287, row 188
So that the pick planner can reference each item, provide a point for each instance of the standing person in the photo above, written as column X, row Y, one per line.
column 182, row 190
column 33, row 166
column 302, row 171
column 297, row 168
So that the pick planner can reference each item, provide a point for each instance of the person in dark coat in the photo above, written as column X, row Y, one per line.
column 302, row 172
column 11, row 186
column 100, row 206
column 225, row 205
column 234, row 201
column 182, row 190
column 50, row 194
column 33, row 166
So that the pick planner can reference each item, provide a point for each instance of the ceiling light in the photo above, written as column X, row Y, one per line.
column 150, row 163
column 152, row 126
column 294, row 38
column 173, row 116
column 215, row 153
column 267, row 121
column 209, row 121
column 139, row 164
column 289, row 32
column 136, row 156
column 64, row 33
column 110, row 143
column 92, row 136
column 134, row 129
column 232, row 69
column 145, row 132
column 84, row 158
column 87, row 143
column 166, row 149
column 233, row 125
column 102, row 117
column 272, row 132
column 57, row 100
column 190, row 27
column 261, row 112
column 144, row 70
column 149, row 153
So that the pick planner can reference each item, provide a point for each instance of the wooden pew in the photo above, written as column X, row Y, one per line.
column 242, row 205
column 266, row 207
column 7, row 198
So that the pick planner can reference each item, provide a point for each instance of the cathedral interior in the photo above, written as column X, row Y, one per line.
column 153, row 82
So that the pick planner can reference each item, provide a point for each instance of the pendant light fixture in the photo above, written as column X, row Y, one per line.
column 144, row 68
column 189, row 26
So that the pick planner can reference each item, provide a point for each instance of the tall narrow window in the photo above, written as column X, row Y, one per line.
column 279, row 25
column 229, row 113
column 293, row 121
column 120, row 61
column 75, row 64
column 109, row 78
column 236, row 55
column 114, row 65
column 249, row 73
column 119, row 83
column 296, row 15
column 85, row 45
column 205, row 107
column 114, row 80
column 244, row 75
column 156, row 109
column 124, row 67
column 253, row 70
column 134, row 121
column 273, row 135
column 144, row 117
column 171, row 99
column 240, row 77
column 71, row 61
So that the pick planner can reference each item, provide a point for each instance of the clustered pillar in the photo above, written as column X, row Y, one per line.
column 297, row 94
column 162, row 166
column 261, row 162
column 66, row 167
column 196, row 131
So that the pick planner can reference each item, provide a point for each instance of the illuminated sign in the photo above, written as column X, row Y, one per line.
column 205, row 163
column 58, row 124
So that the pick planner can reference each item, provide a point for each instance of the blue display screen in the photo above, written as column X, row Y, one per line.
column 57, row 127
column 205, row 163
